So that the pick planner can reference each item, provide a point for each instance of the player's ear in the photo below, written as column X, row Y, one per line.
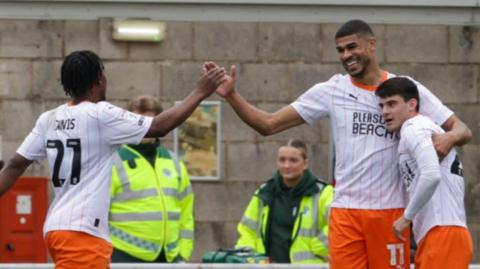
column 372, row 43
column 412, row 104
column 101, row 79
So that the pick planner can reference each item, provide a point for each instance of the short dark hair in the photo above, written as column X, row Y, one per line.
column 80, row 71
column 298, row 144
column 399, row 86
column 354, row 27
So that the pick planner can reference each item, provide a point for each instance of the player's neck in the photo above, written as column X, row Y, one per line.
column 373, row 78
column 87, row 97
column 410, row 116
column 78, row 100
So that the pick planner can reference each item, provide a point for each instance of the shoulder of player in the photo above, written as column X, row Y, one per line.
column 330, row 84
column 421, row 88
column 106, row 109
column 417, row 126
column 50, row 115
column 104, row 105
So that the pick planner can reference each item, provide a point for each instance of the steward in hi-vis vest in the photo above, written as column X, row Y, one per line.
column 287, row 218
column 151, row 212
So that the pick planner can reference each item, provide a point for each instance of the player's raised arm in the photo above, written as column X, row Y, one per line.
column 171, row 118
column 263, row 122
column 15, row 168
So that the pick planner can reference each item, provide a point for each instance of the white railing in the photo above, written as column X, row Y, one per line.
column 187, row 266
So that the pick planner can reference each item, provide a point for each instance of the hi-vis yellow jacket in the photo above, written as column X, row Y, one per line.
column 310, row 230
column 151, row 208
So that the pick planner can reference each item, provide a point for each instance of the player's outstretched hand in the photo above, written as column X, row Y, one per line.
column 210, row 80
column 399, row 227
column 228, row 85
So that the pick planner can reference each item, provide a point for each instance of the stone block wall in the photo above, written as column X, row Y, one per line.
column 276, row 62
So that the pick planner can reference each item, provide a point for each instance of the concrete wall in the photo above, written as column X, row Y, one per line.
column 276, row 62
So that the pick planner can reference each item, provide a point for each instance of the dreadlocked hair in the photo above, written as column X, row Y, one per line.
column 80, row 71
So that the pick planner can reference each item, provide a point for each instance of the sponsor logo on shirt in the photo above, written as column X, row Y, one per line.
column 141, row 120
column 367, row 123
column 353, row 96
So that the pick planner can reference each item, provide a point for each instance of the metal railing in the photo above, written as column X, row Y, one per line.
column 187, row 266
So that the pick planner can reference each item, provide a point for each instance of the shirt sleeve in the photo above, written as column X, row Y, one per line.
column 120, row 126
column 420, row 146
column 33, row 147
column 431, row 106
column 315, row 102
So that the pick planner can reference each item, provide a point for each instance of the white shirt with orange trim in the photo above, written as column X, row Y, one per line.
column 366, row 173
column 445, row 207
column 79, row 142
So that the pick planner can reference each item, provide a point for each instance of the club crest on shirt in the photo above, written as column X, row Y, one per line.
column 407, row 168
column 141, row 120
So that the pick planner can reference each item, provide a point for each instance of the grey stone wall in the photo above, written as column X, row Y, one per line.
column 276, row 62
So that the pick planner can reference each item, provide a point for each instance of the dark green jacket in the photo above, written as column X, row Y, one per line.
column 289, row 225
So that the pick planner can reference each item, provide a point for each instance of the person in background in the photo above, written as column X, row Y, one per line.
column 151, row 210
column 287, row 218
column 436, row 188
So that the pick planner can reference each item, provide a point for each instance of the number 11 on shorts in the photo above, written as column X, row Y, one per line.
column 396, row 254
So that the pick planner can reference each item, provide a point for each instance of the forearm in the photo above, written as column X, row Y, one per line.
column 171, row 118
column 319, row 245
column 458, row 131
column 461, row 134
column 7, row 178
column 427, row 185
column 263, row 122
column 247, row 239
column 254, row 117
column 12, row 171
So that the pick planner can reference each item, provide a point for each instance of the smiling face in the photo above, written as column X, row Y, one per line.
column 356, row 53
column 291, row 162
column 396, row 111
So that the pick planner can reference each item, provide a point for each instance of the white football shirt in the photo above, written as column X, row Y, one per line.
column 366, row 173
column 446, row 206
column 78, row 142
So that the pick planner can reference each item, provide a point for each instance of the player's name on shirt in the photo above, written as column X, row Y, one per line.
column 64, row 124
column 368, row 123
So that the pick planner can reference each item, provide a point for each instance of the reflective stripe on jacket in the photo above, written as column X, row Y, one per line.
column 310, row 231
column 151, row 208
